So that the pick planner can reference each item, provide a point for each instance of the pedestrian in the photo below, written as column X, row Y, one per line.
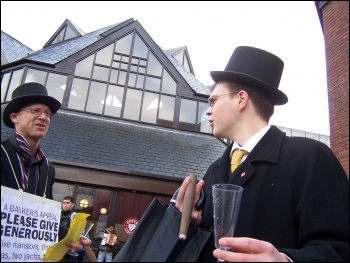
column 108, row 239
column 295, row 204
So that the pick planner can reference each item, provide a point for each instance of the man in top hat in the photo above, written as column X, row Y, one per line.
column 29, row 113
column 295, row 204
column 23, row 163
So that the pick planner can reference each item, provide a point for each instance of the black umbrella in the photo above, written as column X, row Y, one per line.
column 156, row 236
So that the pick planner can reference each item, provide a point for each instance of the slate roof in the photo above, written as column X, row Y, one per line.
column 194, row 83
column 55, row 53
column 128, row 147
column 12, row 49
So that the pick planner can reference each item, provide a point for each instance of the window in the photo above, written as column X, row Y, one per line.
column 124, row 81
column 4, row 83
column 56, row 86
column 106, row 206
column 15, row 82
column 187, row 117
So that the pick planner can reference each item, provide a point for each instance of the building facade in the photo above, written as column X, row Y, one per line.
column 334, row 18
column 132, row 124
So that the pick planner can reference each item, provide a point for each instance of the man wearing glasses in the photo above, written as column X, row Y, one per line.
column 23, row 163
column 295, row 203
column 29, row 114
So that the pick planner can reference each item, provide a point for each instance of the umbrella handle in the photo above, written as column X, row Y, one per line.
column 187, row 206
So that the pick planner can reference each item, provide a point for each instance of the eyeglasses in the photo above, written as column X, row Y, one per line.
column 212, row 100
column 38, row 112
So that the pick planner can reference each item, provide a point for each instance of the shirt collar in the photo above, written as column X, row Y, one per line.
column 250, row 144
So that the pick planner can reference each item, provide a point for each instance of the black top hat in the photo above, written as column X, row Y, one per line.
column 25, row 94
column 256, row 67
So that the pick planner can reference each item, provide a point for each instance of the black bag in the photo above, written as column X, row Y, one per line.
column 156, row 238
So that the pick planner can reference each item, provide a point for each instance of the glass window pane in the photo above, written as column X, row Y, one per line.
column 34, row 75
column 132, row 104
column 15, row 81
column 152, row 84
column 77, row 96
column 154, row 67
column 169, row 84
column 149, row 107
column 143, row 62
column 140, row 49
column 83, row 68
column 186, row 66
column 59, row 37
column 124, row 66
column 100, row 73
column 117, row 57
column 104, row 56
column 123, row 45
column 140, row 80
column 87, row 206
column 114, row 101
column 166, row 111
column 142, row 69
column 187, row 117
column 115, row 64
column 133, row 68
column 56, row 85
column 202, row 118
column 4, row 83
column 96, row 97
column 122, row 78
column 179, row 57
column 132, row 80
column 61, row 190
column 69, row 33
column 102, row 199
column 114, row 76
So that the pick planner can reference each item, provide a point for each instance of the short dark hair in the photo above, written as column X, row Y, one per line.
column 70, row 198
column 263, row 104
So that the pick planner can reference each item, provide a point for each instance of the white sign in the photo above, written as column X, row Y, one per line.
column 29, row 225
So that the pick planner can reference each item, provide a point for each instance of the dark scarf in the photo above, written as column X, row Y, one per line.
column 30, row 169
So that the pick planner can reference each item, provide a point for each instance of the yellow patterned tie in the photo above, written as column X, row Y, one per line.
column 236, row 158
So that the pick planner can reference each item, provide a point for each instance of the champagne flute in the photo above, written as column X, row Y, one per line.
column 226, row 203
column 88, row 225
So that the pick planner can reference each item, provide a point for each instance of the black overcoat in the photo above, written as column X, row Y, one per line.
column 296, row 196
column 46, row 170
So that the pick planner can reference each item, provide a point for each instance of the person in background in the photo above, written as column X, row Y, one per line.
column 67, row 215
column 24, row 164
column 295, row 204
column 107, row 244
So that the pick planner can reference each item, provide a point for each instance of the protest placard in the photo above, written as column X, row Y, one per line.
column 29, row 225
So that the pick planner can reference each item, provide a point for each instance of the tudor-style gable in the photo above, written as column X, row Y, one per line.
column 120, row 72
column 66, row 31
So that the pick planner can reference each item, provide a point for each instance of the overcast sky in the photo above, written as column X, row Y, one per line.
column 211, row 30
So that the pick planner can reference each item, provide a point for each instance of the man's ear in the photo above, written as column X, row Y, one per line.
column 243, row 98
column 14, row 118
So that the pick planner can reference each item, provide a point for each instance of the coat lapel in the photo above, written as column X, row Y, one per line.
column 7, row 165
column 266, row 151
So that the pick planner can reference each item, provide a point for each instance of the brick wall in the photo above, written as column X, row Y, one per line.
column 336, row 32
